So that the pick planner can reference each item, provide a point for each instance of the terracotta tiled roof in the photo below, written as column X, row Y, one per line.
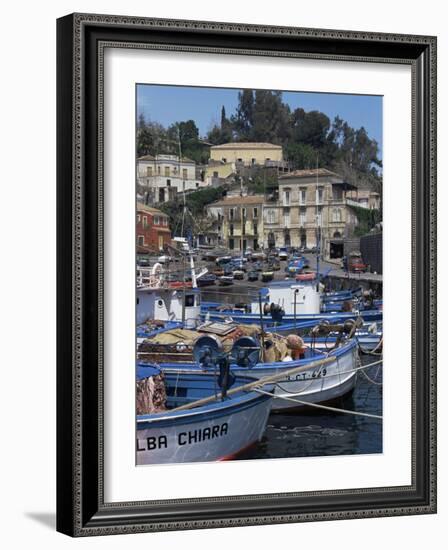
column 145, row 208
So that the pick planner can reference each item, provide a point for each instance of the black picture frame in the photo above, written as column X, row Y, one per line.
column 81, row 510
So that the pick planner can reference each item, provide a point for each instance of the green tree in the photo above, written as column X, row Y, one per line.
column 243, row 120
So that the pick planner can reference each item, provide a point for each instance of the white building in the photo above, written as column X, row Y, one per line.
column 163, row 176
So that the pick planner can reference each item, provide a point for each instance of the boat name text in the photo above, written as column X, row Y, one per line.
column 154, row 443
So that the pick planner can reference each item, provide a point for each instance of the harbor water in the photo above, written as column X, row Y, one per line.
column 316, row 432
column 324, row 433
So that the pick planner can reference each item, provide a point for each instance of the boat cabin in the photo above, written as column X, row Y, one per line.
column 299, row 297
column 166, row 304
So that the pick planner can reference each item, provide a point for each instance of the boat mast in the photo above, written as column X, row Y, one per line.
column 317, row 223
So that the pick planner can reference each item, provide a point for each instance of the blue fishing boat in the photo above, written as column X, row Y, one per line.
column 196, row 429
column 369, row 337
column 319, row 376
column 286, row 302
column 341, row 295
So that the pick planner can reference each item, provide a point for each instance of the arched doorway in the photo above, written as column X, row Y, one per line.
column 336, row 245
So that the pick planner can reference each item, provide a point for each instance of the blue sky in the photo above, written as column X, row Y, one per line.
column 168, row 104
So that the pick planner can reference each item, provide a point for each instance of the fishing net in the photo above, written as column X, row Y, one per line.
column 151, row 394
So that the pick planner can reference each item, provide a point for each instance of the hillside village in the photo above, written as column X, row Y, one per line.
column 262, row 202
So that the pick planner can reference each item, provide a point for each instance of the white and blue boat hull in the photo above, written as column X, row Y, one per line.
column 216, row 431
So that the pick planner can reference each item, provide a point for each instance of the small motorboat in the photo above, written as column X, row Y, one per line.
column 199, row 418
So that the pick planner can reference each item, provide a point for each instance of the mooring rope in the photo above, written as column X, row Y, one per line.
column 371, row 379
column 316, row 405
column 374, row 351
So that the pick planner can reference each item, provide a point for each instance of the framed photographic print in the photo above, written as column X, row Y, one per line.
column 246, row 274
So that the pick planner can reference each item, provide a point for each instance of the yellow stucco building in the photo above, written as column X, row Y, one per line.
column 248, row 154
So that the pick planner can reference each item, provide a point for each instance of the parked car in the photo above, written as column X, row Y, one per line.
column 356, row 263
column 143, row 262
column 238, row 274
column 283, row 254
column 252, row 276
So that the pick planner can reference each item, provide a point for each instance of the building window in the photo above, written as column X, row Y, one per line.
column 255, row 228
column 138, row 218
column 337, row 217
column 286, row 197
column 254, row 161
column 243, row 211
column 302, row 195
column 231, row 213
column 161, row 194
column 231, row 229
column 319, row 195
column 240, row 160
column 255, row 212
column 145, row 221
column 231, row 244
column 184, row 173
column 215, row 175
column 270, row 215
column 158, row 169
column 167, row 171
column 156, row 220
column 287, row 217
column 302, row 215
column 197, row 184
column 168, row 183
column 319, row 216
column 141, row 240
column 224, row 159
column 165, row 221
column 149, row 171
column 337, row 193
